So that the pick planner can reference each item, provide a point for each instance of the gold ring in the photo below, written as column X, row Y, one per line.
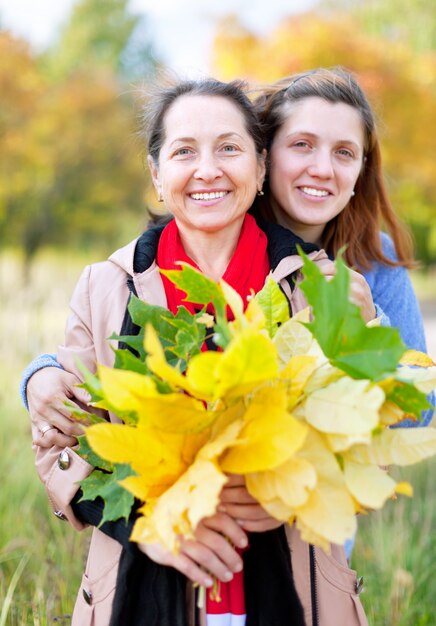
column 45, row 429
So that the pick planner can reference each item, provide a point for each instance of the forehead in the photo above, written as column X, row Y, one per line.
column 321, row 117
column 193, row 114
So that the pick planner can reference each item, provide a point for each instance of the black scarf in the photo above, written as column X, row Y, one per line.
column 148, row 594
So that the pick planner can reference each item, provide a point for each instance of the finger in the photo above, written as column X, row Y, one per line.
column 235, row 480
column 60, row 416
column 220, row 546
column 227, row 526
column 190, row 569
column 54, row 438
column 249, row 512
column 234, row 495
column 260, row 526
column 208, row 559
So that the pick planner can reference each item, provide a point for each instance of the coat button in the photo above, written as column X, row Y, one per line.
column 60, row 515
column 88, row 596
column 359, row 585
column 64, row 460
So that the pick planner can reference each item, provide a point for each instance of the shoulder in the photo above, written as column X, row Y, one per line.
column 388, row 247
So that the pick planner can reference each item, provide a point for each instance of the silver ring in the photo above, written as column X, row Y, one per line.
column 45, row 429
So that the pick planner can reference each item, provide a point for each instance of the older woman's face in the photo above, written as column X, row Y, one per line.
column 208, row 171
column 316, row 159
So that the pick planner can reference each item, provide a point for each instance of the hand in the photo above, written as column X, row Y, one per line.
column 239, row 504
column 360, row 293
column 210, row 554
column 47, row 390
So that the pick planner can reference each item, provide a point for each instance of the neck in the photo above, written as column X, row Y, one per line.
column 306, row 232
column 211, row 251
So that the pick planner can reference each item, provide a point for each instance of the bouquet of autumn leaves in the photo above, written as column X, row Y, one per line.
column 301, row 408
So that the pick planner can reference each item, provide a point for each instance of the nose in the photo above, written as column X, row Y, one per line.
column 321, row 165
column 208, row 168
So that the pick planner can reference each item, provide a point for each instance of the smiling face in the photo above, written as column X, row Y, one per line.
column 316, row 158
column 208, row 170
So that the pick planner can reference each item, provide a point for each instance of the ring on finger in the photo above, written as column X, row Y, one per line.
column 44, row 429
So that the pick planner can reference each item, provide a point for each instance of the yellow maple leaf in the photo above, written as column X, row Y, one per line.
column 143, row 448
column 423, row 379
column 414, row 357
column 124, row 391
column 346, row 407
column 191, row 498
column 292, row 339
column 283, row 488
column 397, row 446
column 369, row 484
column 250, row 359
column 296, row 372
column 270, row 434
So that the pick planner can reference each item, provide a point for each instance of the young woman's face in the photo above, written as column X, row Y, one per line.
column 316, row 158
column 208, row 171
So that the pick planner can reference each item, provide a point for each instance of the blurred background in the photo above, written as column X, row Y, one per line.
column 73, row 187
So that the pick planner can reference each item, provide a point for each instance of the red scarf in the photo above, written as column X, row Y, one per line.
column 246, row 272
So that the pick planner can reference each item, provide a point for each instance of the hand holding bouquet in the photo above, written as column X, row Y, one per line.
column 301, row 408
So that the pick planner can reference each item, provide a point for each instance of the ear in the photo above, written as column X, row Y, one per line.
column 261, row 169
column 154, row 171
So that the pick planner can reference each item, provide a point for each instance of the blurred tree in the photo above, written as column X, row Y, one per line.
column 398, row 80
column 411, row 22
column 70, row 170
column 101, row 34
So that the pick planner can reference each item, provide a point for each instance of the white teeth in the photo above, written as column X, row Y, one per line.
column 209, row 196
column 315, row 192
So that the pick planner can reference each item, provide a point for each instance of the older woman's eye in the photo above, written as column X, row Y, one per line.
column 183, row 152
column 228, row 147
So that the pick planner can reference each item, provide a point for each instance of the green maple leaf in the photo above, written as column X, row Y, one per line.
column 117, row 501
column 199, row 289
column 341, row 332
column 86, row 452
column 274, row 305
column 409, row 398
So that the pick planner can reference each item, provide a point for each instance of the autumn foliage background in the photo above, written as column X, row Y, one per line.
column 73, row 188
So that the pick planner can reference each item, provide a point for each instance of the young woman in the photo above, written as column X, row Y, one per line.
column 325, row 183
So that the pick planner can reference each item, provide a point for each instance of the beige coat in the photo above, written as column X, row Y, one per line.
column 97, row 310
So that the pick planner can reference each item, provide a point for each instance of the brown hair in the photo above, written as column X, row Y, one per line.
column 358, row 226
column 162, row 96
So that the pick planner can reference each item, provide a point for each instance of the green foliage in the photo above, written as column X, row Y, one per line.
column 88, row 454
column 389, row 46
column 201, row 290
column 409, row 399
column 118, row 501
column 274, row 305
column 338, row 326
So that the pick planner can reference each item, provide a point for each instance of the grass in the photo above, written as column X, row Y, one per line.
column 42, row 558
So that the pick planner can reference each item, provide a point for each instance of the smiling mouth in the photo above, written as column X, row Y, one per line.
column 213, row 195
column 317, row 193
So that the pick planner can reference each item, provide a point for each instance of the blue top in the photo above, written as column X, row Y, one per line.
column 395, row 301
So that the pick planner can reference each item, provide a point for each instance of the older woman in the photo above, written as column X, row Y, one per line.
column 207, row 159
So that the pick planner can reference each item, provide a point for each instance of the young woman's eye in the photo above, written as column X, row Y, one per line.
column 300, row 144
column 346, row 153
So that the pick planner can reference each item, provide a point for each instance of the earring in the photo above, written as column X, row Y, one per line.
column 260, row 192
column 159, row 196
column 353, row 193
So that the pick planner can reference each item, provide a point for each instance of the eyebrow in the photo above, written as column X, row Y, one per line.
column 193, row 139
column 307, row 133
